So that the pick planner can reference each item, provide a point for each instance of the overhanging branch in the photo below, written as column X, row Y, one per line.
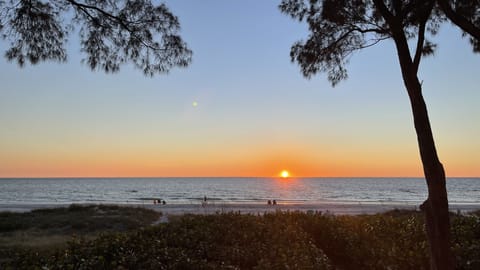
column 459, row 20
column 103, row 12
column 84, row 8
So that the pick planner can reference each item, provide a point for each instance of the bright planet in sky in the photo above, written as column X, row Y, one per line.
column 284, row 174
column 194, row 104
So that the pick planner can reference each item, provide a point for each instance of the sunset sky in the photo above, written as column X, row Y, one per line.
column 255, row 114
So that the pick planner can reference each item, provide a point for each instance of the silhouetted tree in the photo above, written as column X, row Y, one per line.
column 111, row 33
column 340, row 27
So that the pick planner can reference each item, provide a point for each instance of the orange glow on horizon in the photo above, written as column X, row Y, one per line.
column 247, row 161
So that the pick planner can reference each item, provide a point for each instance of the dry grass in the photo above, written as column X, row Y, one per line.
column 55, row 227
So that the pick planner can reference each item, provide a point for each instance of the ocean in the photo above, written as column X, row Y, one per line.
column 61, row 191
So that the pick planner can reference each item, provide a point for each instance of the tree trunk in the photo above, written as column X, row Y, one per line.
column 436, row 206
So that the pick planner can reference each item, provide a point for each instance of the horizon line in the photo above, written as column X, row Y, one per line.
column 146, row 177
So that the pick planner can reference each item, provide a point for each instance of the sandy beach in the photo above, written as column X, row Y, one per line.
column 213, row 208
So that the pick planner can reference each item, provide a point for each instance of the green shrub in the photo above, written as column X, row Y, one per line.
column 282, row 240
column 466, row 241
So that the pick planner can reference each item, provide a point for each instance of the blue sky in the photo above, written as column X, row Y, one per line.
column 256, row 114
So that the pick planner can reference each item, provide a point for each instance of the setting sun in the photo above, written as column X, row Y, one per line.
column 284, row 174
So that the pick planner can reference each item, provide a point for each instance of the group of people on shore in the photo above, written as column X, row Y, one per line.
column 158, row 201
column 272, row 202
column 204, row 201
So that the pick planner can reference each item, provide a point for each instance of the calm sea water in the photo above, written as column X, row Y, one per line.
column 230, row 190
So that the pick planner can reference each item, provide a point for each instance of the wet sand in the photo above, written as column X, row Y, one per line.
column 213, row 208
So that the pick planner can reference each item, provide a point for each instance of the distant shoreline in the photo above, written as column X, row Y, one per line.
column 212, row 208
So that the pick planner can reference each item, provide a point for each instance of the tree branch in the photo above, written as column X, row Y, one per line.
column 387, row 15
column 459, row 20
column 398, row 35
column 369, row 30
column 109, row 15
column 426, row 12
column 420, row 41
column 120, row 21
column 374, row 42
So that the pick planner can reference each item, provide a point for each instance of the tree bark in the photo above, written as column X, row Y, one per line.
column 437, row 217
column 436, row 206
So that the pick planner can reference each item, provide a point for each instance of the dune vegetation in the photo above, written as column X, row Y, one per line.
column 101, row 237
